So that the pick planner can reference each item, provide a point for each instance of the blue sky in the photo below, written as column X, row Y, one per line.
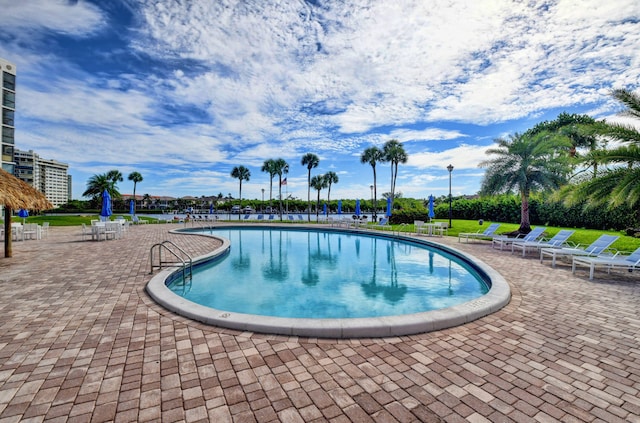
column 183, row 91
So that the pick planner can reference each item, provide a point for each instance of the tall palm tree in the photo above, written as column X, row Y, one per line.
column 318, row 182
column 280, row 166
column 242, row 174
column 309, row 160
column 373, row 155
column 525, row 163
column 330, row 178
column 268, row 167
column 619, row 184
column 394, row 153
column 135, row 177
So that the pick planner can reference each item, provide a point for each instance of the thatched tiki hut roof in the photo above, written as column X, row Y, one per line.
column 16, row 194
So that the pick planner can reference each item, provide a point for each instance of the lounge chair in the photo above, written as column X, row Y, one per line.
column 246, row 216
column 557, row 241
column 138, row 221
column 260, row 217
column 630, row 262
column 503, row 241
column 596, row 248
column 290, row 217
column 383, row 224
column 487, row 233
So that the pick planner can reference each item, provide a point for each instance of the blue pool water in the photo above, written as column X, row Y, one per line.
column 316, row 274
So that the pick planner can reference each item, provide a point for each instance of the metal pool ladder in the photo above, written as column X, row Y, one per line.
column 181, row 256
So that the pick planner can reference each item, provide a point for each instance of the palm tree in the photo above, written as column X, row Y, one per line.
column 135, row 177
column 280, row 166
column 526, row 163
column 242, row 174
column 394, row 153
column 146, row 199
column 309, row 160
column 96, row 185
column 580, row 130
column 330, row 178
column 618, row 184
column 373, row 155
column 269, row 167
column 114, row 177
column 318, row 182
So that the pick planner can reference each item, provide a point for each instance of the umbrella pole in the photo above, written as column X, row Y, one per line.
column 8, row 250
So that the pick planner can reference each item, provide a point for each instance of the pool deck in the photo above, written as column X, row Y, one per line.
column 81, row 341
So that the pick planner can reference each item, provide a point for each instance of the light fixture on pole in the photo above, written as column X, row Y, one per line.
column 262, row 208
column 450, row 169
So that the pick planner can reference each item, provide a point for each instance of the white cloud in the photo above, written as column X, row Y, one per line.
column 78, row 19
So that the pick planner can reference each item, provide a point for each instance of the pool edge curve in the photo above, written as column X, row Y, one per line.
column 498, row 296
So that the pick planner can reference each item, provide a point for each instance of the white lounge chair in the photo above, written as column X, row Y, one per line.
column 487, row 233
column 596, row 248
column 503, row 241
column 557, row 241
column 138, row 221
column 630, row 262
column 383, row 224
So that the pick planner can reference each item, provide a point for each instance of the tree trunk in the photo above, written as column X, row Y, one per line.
column 8, row 248
column 375, row 196
column 525, row 223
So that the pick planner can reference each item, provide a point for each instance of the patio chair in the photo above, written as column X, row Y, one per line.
column 487, row 233
column 597, row 247
column 630, row 262
column 503, row 241
column 30, row 231
column 557, row 241
column 44, row 230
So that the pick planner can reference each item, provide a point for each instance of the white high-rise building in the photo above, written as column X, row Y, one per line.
column 47, row 176
column 7, row 113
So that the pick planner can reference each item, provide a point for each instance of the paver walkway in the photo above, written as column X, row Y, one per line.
column 80, row 341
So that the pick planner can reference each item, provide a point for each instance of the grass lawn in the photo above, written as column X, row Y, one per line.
column 581, row 236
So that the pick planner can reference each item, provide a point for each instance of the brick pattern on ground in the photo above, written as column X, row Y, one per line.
column 80, row 341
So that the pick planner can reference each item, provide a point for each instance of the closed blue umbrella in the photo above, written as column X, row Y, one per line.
column 357, row 207
column 339, row 206
column 432, row 214
column 23, row 213
column 106, row 211
column 131, row 207
column 324, row 209
column 388, row 207
column 211, row 208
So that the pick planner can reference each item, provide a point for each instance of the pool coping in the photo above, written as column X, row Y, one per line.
column 498, row 296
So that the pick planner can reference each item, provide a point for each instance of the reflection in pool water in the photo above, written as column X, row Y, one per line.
column 317, row 274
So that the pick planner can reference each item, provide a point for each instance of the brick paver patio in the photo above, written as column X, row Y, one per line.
column 80, row 341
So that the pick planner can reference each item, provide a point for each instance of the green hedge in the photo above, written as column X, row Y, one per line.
column 542, row 211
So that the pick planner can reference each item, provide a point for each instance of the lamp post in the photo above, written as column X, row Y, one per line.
column 450, row 169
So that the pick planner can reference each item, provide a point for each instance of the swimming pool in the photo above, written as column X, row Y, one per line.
column 332, row 283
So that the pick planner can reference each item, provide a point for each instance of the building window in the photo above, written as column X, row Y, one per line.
column 7, row 135
column 8, row 99
column 7, row 117
column 8, row 167
column 9, row 81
